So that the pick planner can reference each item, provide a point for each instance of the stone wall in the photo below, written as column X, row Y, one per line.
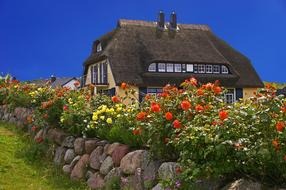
column 98, row 162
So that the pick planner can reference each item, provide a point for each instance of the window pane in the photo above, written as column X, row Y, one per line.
column 161, row 67
column 224, row 69
column 201, row 68
column 152, row 67
column 98, row 47
column 190, row 68
column 195, row 68
column 183, row 68
column 216, row 69
column 178, row 68
column 170, row 67
column 209, row 69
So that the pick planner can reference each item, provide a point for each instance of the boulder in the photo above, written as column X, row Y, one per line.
column 102, row 143
column 97, row 157
column 106, row 165
column 115, row 172
column 133, row 160
column 88, row 174
column 118, row 153
column 67, row 169
column 95, row 181
column 110, row 148
column 158, row 187
column 243, row 184
column 56, row 135
column 79, row 146
column 150, row 173
column 74, row 161
column 69, row 142
column 69, row 156
column 80, row 168
column 167, row 170
column 90, row 145
column 59, row 155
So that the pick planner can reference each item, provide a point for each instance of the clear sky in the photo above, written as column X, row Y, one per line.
column 43, row 37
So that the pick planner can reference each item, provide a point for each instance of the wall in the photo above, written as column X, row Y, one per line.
column 248, row 92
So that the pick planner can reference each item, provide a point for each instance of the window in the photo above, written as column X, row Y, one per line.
column 209, row 68
column 170, row 67
column 99, row 73
column 201, row 68
column 152, row 67
column 224, row 69
column 229, row 96
column 98, row 47
column 190, row 68
column 178, row 68
column 216, row 69
column 183, row 68
column 161, row 67
column 154, row 91
column 195, row 68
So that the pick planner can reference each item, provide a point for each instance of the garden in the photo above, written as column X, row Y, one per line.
column 191, row 125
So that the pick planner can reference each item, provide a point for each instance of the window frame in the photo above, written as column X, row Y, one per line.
column 161, row 70
column 167, row 67
column 192, row 66
column 151, row 66
column 218, row 67
column 180, row 66
column 224, row 69
column 98, row 47
column 210, row 67
column 201, row 68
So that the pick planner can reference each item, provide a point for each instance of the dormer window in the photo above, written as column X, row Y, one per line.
column 98, row 48
column 224, row 69
column 152, row 67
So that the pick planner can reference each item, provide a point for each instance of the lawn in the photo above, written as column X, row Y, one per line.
column 22, row 168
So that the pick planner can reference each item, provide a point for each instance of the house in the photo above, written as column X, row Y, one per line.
column 69, row 82
column 149, row 55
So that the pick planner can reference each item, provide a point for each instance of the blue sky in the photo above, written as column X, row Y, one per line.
column 43, row 37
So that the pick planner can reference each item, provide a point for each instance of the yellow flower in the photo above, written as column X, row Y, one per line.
column 118, row 115
column 119, row 109
column 94, row 117
column 103, row 108
column 109, row 120
column 70, row 101
column 32, row 94
column 62, row 120
column 102, row 117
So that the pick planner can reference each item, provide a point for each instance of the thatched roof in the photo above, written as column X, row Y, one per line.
column 134, row 45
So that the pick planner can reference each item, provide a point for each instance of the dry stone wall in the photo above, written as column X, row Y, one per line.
column 98, row 162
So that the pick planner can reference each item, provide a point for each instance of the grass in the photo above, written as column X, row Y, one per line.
column 22, row 165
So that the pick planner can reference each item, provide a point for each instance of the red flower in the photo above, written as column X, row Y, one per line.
column 123, row 85
column 200, row 92
column 39, row 139
column 283, row 109
column 115, row 99
column 169, row 116
column 177, row 124
column 34, row 128
column 147, row 97
column 217, row 90
column 280, row 126
column 223, row 115
column 199, row 108
column 178, row 170
column 65, row 107
column 166, row 140
column 185, row 105
column 45, row 116
column 164, row 94
column 155, row 107
column 76, row 83
column 141, row 115
column 275, row 143
column 193, row 81
column 209, row 86
column 136, row 131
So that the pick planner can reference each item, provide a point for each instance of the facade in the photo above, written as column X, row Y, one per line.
column 149, row 55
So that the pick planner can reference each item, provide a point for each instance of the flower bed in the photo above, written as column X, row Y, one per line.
column 192, row 126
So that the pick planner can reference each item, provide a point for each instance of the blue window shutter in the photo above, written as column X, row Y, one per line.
column 111, row 92
column 142, row 93
column 239, row 93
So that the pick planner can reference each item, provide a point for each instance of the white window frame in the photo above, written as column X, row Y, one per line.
column 168, row 67
column 216, row 67
column 190, row 68
column 95, row 74
column 161, row 67
column 157, row 90
column 224, row 69
column 98, row 47
column 201, row 68
column 177, row 68
column 209, row 68
column 152, row 67
column 230, row 94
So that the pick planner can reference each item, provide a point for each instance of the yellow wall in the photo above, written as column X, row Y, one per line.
column 248, row 92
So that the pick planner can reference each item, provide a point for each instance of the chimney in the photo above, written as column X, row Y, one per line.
column 53, row 79
column 161, row 20
column 173, row 21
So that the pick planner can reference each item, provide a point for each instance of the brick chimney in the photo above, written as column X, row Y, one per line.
column 173, row 21
column 161, row 20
